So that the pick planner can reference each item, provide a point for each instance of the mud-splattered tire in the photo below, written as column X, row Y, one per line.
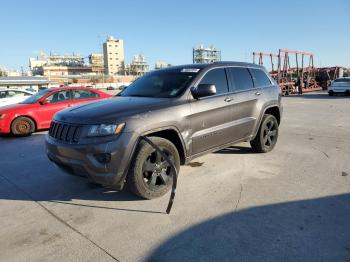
column 22, row 126
column 149, row 175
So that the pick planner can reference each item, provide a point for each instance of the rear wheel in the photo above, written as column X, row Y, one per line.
column 22, row 126
column 266, row 138
column 150, row 175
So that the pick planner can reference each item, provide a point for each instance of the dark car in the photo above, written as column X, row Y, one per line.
column 187, row 111
column 110, row 88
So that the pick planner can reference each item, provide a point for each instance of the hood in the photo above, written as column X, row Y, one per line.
column 110, row 110
column 7, row 108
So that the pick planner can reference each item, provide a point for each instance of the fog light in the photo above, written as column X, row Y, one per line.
column 103, row 158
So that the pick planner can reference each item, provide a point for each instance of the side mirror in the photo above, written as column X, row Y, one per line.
column 44, row 102
column 203, row 90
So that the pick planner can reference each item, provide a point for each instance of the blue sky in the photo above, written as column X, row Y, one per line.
column 167, row 30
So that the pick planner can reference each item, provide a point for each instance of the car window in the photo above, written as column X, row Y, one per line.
column 60, row 96
column 84, row 94
column 218, row 78
column 260, row 78
column 241, row 78
column 160, row 84
column 3, row 94
column 11, row 93
column 19, row 94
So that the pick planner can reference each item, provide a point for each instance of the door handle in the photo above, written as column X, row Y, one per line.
column 258, row 93
column 228, row 99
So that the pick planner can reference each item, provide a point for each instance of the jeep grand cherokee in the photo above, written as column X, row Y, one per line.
column 187, row 111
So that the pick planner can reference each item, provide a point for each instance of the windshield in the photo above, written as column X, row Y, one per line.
column 344, row 80
column 164, row 84
column 34, row 98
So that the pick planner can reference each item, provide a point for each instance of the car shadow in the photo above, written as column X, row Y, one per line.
column 26, row 168
column 306, row 230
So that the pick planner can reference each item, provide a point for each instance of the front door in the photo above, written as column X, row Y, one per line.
column 210, row 116
column 55, row 102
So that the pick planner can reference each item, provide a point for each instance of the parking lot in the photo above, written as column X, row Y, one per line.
column 292, row 204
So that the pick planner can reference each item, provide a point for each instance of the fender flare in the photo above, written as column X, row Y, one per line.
column 261, row 117
column 140, row 136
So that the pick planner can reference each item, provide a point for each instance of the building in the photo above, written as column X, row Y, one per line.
column 70, row 60
column 61, row 74
column 161, row 64
column 96, row 63
column 23, row 82
column 138, row 66
column 12, row 72
column 113, row 55
column 59, row 69
column 202, row 55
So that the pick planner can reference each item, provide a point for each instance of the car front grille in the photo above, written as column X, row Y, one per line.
column 65, row 132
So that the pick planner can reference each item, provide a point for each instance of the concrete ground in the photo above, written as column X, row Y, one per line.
column 292, row 204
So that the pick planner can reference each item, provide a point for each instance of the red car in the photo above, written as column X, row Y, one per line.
column 37, row 111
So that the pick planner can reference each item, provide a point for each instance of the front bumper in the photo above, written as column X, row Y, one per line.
column 81, row 159
column 5, row 126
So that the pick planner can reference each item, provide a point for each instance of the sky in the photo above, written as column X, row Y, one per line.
column 168, row 30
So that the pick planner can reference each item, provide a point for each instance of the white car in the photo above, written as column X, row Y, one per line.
column 13, row 96
column 340, row 85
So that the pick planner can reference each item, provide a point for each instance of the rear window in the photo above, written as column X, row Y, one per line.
column 84, row 94
column 260, row 78
column 241, row 78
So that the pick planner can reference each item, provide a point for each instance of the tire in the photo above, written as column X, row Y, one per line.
column 330, row 93
column 266, row 138
column 22, row 126
column 147, row 180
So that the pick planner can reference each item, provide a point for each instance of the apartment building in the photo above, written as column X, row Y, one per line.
column 113, row 55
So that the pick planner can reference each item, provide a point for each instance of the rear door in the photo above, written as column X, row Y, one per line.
column 56, row 101
column 245, row 96
column 210, row 116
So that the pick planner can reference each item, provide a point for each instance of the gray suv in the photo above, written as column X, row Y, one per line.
column 187, row 111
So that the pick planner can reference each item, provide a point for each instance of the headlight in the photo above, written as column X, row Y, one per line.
column 2, row 116
column 106, row 130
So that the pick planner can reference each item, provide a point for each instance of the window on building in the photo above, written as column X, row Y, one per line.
column 241, row 78
column 216, row 77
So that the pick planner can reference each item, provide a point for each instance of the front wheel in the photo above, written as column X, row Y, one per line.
column 150, row 175
column 22, row 126
column 266, row 138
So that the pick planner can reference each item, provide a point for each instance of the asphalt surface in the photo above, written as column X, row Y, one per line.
column 292, row 204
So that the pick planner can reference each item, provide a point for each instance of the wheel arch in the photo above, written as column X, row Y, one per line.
column 272, row 110
column 174, row 137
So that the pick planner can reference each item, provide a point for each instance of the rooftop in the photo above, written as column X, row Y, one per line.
column 23, row 80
